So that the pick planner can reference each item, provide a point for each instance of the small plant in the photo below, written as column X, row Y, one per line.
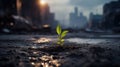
column 61, row 34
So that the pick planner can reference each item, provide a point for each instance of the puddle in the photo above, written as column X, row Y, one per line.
column 89, row 41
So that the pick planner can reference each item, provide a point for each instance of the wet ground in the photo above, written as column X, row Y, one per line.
column 42, row 51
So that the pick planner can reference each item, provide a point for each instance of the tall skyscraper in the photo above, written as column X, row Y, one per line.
column 19, row 5
column 30, row 9
column 77, row 21
column 76, row 11
column 47, row 18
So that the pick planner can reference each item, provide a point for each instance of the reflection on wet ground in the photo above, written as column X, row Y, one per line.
column 26, row 57
column 89, row 41
column 26, row 54
column 42, row 59
column 41, row 52
column 43, row 40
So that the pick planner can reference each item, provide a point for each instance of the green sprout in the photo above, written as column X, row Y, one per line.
column 61, row 35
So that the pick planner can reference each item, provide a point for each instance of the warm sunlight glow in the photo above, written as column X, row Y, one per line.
column 42, row 2
column 46, row 26
column 32, row 63
column 43, row 40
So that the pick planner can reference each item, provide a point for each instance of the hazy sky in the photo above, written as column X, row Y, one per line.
column 62, row 8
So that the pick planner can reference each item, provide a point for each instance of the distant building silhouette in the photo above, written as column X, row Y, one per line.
column 111, row 12
column 77, row 21
column 95, row 21
column 47, row 18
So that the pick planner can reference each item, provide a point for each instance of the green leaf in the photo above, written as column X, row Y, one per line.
column 64, row 33
column 58, row 43
column 62, row 40
column 58, row 30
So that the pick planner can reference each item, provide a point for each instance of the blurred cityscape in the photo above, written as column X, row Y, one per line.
column 35, row 15
column 28, row 37
column 25, row 15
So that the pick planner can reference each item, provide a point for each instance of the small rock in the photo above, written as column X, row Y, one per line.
column 56, row 57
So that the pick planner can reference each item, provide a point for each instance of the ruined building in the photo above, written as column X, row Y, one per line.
column 111, row 12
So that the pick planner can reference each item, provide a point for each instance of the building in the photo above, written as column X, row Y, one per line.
column 47, row 18
column 111, row 12
column 95, row 21
column 77, row 21
column 30, row 9
column 36, row 14
column 8, row 7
